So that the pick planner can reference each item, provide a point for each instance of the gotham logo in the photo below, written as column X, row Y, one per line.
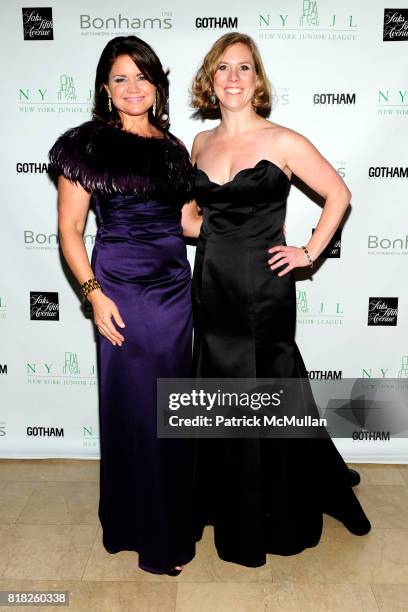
column 388, row 172
column 325, row 374
column 42, row 432
column 334, row 98
column 32, row 167
column 213, row 23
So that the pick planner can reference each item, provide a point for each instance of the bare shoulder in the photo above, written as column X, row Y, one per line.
column 202, row 137
column 285, row 137
column 199, row 143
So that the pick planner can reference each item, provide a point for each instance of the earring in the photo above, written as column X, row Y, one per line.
column 109, row 104
column 154, row 108
column 213, row 99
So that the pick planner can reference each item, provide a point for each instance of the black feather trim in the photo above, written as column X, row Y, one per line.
column 110, row 160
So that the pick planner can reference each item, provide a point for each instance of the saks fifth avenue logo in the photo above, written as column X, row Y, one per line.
column 62, row 96
column 37, row 24
column 67, row 372
column 212, row 23
column 308, row 24
column 386, row 372
column 387, row 245
column 312, row 312
column 92, row 25
column 395, row 24
column 41, row 241
column 382, row 311
column 44, row 306
column 3, row 429
column 392, row 102
column 333, row 249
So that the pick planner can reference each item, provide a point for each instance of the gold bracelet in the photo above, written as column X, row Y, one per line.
column 90, row 285
column 309, row 259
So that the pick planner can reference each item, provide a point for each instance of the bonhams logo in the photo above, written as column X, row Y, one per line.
column 395, row 24
column 212, row 23
column 387, row 245
column 37, row 24
column 382, row 311
column 44, row 306
column 46, row 242
column 91, row 24
column 3, row 308
column 280, row 97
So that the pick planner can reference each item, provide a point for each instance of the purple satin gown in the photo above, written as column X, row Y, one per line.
column 138, row 186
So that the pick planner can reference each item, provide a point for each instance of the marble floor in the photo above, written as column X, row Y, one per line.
column 51, row 540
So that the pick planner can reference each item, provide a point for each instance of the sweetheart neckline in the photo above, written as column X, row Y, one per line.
column 261, row 161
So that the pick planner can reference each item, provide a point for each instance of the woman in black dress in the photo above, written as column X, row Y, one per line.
column 137, row 176
column 261, row 495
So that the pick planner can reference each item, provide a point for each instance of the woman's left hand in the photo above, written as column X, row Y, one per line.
column 294, row 257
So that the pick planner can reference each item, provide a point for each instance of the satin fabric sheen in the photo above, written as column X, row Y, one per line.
column 262, row 495
column 145, row 483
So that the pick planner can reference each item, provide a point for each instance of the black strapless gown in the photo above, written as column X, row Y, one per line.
column 262, row 495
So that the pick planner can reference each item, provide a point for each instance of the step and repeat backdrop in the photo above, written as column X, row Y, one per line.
column 339, row 75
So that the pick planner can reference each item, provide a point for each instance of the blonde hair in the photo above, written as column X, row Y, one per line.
column 202, row 88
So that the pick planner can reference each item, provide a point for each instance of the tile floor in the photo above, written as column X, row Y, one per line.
column 51, row 540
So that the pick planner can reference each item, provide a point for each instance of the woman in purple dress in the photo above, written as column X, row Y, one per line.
column 137, row 176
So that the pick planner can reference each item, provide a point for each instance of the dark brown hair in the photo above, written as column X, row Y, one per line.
column 149, row 65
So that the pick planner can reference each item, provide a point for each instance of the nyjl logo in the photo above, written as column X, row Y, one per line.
column 37, row 24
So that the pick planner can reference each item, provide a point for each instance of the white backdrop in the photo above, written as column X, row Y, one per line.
column 47, row 367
